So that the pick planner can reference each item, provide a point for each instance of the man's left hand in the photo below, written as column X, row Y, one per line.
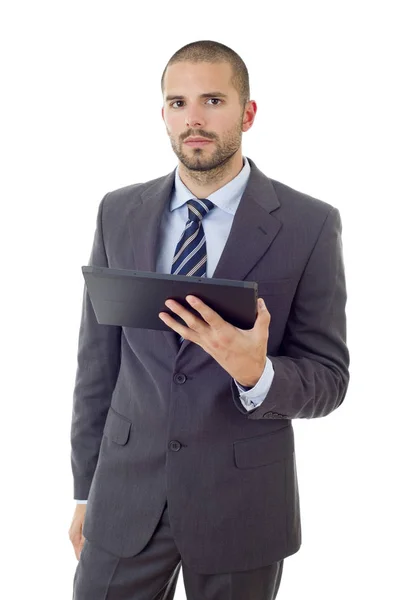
column 241, row 352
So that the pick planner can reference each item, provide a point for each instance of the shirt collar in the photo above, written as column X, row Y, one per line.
column 227, row 198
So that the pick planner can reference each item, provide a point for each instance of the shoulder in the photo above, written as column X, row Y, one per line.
column 293, row 199
column 302, row 210
column 131, row 191
column 123, row 199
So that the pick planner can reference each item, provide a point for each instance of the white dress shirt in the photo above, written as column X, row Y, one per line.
column 216, row 225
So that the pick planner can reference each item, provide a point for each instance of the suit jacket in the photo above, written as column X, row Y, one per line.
column 154, row 421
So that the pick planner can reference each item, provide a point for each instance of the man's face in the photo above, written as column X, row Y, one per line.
column 187, row 114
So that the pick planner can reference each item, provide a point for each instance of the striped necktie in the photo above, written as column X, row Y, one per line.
column 191, row 255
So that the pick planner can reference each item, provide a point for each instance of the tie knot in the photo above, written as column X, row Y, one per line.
column 198, row 208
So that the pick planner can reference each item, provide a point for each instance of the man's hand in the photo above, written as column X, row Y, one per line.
column 241, row 352
column 75, row 531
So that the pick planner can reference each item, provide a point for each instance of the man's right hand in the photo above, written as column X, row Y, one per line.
column 75, row 531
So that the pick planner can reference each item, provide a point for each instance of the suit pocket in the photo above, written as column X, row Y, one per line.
column 117, row 427
column 274, row 287
column 264, row 450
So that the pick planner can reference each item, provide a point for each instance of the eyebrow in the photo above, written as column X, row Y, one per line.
column 206, row 95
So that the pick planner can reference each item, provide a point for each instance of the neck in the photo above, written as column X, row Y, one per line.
column 203, row 183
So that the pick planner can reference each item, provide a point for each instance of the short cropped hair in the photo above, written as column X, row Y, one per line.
column 214, row 52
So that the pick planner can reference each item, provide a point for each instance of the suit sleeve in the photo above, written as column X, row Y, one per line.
column 98, row 363
column 311, row 372
column 251, row 397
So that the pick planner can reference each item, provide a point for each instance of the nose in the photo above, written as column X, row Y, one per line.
column 193, row 119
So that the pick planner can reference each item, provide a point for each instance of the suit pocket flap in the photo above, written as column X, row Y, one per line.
column 264, row 449
column 117, row 427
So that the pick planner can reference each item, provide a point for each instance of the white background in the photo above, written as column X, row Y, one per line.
column 80, row 116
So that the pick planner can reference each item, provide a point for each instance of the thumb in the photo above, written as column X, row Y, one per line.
column 261, row 305
column 81, row 544
column 263, row 316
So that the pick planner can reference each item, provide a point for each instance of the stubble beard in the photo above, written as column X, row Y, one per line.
column 204, row 166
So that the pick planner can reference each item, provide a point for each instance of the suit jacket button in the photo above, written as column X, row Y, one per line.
column 174, row 445
column 179, row 378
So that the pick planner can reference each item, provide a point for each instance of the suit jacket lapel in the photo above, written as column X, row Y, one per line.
column 253, row 230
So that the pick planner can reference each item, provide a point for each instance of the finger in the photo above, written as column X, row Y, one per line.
column 262, row 309
column 81, row 546
column 263, row 316
column 173, row 323
column 209, row 315
column 190, row 319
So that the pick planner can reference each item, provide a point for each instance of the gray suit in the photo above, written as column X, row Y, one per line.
column 155, row 422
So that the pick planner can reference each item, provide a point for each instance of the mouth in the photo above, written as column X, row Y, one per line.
column 198, row 143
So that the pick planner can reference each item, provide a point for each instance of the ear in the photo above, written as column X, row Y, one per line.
column 162, row 113
column 249, row 115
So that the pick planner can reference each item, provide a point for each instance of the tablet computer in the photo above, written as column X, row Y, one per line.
column 135, row 298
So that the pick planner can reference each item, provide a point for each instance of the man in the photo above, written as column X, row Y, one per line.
column 182, row 440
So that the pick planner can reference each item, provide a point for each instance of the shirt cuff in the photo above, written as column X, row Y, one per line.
column 252, row 397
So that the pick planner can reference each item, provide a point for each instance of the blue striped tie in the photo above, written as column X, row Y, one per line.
column 191, row 255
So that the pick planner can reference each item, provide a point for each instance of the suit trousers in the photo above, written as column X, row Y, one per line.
column 153, row 573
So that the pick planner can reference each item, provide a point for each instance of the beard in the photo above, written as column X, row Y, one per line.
column 207, row 159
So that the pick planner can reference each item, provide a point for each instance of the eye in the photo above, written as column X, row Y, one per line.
column 217, row 99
